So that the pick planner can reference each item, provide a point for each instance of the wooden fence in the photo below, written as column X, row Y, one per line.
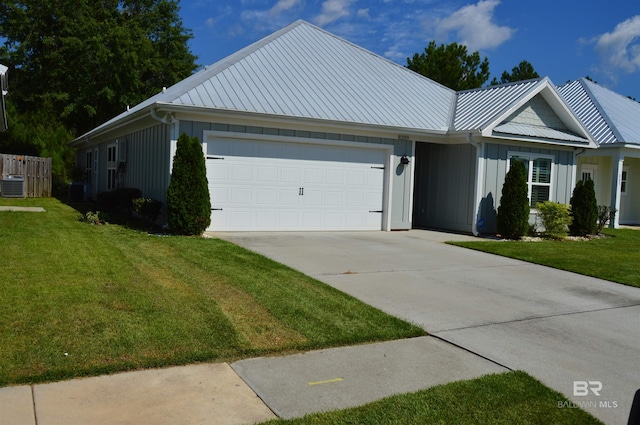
column 36, row 172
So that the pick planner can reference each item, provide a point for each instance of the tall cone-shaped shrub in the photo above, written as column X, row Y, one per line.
column 188, row 202
column 584, row 209
column 513, row 212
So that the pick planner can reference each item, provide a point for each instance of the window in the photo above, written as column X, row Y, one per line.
column 623, row 181
column 111, row 167
column 88, row 167
column 588, row 172
column 538, row 175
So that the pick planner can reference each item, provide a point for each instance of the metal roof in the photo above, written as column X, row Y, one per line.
column 610, row 117
column 476, row 109
column 304, row 71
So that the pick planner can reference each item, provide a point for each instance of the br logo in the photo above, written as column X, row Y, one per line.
column 583, row 388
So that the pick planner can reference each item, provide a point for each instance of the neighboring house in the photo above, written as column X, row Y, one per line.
column 614, row 123
column 306, row 131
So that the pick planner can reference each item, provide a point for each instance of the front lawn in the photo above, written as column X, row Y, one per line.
column 507, row 398
column 78, row 299
column 613, row 258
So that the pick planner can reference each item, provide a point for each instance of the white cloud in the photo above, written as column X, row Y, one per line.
column 363, row 13
column 333, row 10
column 619, row 48
column 475, row 27
column 276, row 15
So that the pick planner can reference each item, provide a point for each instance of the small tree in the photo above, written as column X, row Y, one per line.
column 513, row 212
column 584, row 209
column 188, row 202
column 555, row 219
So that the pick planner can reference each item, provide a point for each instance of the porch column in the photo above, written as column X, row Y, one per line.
column 616, row 181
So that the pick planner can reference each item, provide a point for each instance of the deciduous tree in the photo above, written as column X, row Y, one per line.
column 88, row 60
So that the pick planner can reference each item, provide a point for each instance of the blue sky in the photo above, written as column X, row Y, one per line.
column 563, row 39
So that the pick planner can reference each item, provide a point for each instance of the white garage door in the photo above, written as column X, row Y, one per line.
column 268, row 185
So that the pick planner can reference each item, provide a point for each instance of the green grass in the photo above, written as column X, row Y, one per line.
column 613, row 258
column 115, row 299
column 507, row 398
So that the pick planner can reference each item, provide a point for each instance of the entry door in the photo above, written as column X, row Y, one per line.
column 269, row 185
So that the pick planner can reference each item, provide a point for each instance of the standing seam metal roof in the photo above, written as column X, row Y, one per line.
column 303, row 71
column 480, row 107
column 577, row 96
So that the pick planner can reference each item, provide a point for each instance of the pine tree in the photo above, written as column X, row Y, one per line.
column 188, row 201
column 513, row 212
column 584, row 209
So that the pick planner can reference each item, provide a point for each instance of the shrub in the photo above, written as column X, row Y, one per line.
column 513, row 212
column 555, row 219
column 584, row 209
column 91, row 217
column 147, row 207
column 188, row 202
column 605, row 214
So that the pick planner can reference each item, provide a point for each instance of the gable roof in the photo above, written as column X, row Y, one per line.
column 610, row 117
column 493, row 111
column 303, row 71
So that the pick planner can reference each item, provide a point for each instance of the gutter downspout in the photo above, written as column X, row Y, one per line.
column 173, row 124
column 576, row 154
column 479, row 146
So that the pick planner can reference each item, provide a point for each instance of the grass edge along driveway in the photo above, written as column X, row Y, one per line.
column 612, row 258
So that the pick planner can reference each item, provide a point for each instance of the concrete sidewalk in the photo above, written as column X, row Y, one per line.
column 197, row 394
column 291, row 386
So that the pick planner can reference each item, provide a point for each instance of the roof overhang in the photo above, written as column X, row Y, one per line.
column 189, row 112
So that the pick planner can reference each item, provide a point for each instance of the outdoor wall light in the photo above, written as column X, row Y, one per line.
column 404, row 160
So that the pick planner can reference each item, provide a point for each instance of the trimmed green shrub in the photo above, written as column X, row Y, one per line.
column 584, row 209
column 555, row 219
column 513, row 212
column 188, row 202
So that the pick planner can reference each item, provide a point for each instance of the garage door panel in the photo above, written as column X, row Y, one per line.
column 290, row 175
column 264, row 185
column 240, row 219
column 241, row 196
column 266, row 196
column 268, row 174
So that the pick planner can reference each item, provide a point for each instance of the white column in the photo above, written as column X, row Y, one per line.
column 616, row 180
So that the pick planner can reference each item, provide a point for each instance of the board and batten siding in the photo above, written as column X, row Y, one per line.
column 146, row 154
column 444, row 186
column 401, row 175
column 147, row 157
column 495, row 170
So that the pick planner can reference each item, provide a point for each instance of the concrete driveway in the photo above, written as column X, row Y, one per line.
column 574, row 333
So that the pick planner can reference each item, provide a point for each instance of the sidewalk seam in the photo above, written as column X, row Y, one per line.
column 471, row 352
column 33, row 400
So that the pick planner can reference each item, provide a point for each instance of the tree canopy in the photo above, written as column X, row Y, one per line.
column 451, row 65
column 524, row 71
column 89, row 61
column 81, row 62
